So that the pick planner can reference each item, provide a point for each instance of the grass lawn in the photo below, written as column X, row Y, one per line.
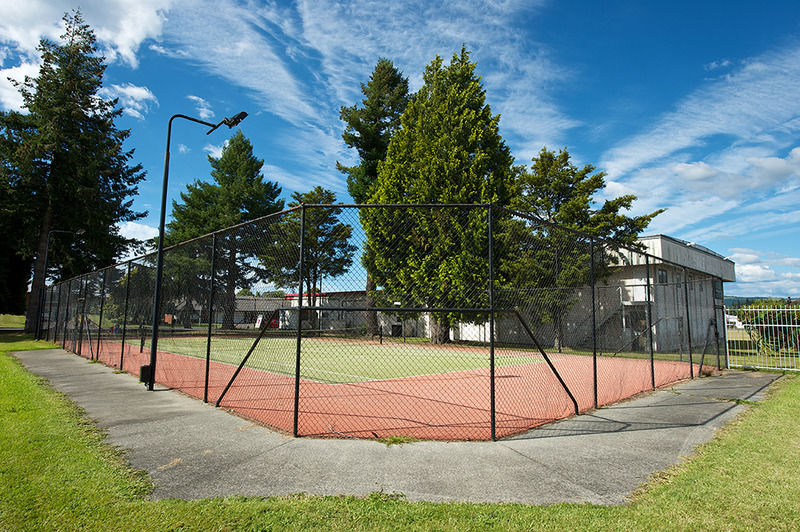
column 11, row 321
column 57, row 473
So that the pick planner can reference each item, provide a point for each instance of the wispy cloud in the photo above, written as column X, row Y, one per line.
column 726, row 144
column 754, row 102
column 202, row 106
column 135, row 100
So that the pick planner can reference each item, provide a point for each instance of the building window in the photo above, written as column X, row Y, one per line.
column 662, row 276
column 690, row 279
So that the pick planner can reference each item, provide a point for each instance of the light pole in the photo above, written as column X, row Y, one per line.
column 230, row 122
column 44, row 281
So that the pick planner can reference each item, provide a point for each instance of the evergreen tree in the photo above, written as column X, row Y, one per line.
column 448, row 150
column 327, row 251
column 239, row 193
column 369, row 129
column 557, row 191
column 550, row 261
column 68, row 169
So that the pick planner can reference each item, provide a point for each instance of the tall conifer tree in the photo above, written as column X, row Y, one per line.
column 369, row 129
column 239, row 193
column 448, row 150
column 68, row 163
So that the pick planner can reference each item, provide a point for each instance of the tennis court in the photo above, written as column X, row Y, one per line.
column 367, row 389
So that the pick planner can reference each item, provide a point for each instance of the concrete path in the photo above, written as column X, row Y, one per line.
column 193, row 450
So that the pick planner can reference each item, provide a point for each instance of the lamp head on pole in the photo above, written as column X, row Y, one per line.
column 231, row 122
column 235, row 119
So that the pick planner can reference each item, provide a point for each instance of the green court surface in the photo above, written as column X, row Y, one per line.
column 336, row 360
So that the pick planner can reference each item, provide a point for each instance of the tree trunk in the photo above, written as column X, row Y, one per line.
column 39, row 273
column 559, row 334
column 371, row 316
column 229, row 299
column 440, row 330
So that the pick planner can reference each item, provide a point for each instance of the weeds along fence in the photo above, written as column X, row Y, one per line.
column 763, row 337
column 425, row 321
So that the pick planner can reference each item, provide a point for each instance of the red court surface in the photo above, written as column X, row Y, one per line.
column 446, row 406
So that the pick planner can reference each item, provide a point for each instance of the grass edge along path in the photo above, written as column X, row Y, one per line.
column 58, row 473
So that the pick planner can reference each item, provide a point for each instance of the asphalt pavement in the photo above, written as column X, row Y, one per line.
column 193, row 450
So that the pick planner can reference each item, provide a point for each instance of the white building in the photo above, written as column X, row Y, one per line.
column 680, row 272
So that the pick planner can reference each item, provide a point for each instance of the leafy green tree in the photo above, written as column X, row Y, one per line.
column 550, row 261
column 448, row 150
column 557, row 191
column 369, row 129
column 67, row 149
column 238, row 193
column 327, row 251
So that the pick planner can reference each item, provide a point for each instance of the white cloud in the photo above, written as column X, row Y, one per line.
column 202, row 106
column 714, row 65
column 749, row 103
column 749, row 273
column 138, row 231
column 135, row 100
column 745, row 256
column 765, row 273
column 120, row 25
column 746, row 125
column 183, row 148
column 214, row 150
column 10, row 98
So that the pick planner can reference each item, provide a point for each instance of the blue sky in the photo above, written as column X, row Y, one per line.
column 691, row 106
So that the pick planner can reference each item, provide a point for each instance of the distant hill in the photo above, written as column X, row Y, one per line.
column 740, row 301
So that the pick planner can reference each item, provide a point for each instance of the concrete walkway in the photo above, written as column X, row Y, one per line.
column 193, row 450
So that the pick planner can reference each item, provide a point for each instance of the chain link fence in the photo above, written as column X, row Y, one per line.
column 424, row 321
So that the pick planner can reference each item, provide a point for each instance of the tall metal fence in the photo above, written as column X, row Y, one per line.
column 763, row 337
column 426, row 321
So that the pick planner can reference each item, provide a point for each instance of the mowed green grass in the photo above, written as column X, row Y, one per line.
column 11, row 321
column 57, row 473
column 335, row 360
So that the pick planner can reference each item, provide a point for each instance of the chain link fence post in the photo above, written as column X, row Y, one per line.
column 125, row 315
column 594, row 319
column 684, row 280
column 491, row 321
column 66, row 316
column 650, row 322
column 299, row 320
column 102, row 307
column 210, row 311
column 58, row 308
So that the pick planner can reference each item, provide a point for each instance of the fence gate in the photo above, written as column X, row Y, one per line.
column 763, row 338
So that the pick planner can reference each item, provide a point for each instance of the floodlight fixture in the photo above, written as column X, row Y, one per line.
column 230, row 122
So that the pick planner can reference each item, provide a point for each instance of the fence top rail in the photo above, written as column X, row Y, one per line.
column 487, row 206
column 761, row 309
